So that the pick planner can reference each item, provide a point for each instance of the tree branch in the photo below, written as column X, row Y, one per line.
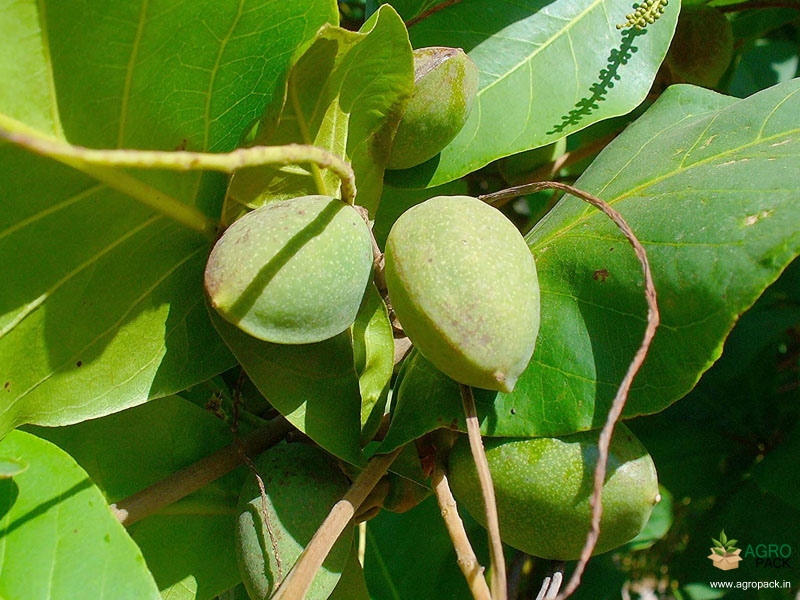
column 465, row 555
column 197, row 475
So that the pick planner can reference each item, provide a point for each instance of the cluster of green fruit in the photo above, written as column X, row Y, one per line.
column 543, row 488
column 463, row 283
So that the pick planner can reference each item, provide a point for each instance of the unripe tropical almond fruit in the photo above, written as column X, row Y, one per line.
column 302, row 483
column 543, row 487
column 702, row 47
column 463, row 284
column 292, row 272
column 445, row 86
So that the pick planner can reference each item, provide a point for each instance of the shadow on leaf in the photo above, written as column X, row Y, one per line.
column 599, row 89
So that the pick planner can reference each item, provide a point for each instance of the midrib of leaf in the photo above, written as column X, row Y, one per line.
column 680, row 170
column 529, row 58
column 212, row 79
column 55, row 114
column 126, row 89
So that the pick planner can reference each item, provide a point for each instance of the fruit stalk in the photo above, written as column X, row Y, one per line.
column 498, row 561
column 465, row 555
column 300, row 577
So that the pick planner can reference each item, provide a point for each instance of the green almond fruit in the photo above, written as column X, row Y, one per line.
column 543, row 487
column 445, row 87
column 702, row 47
column 292, row 272
column 302, row 484
column 463, row 284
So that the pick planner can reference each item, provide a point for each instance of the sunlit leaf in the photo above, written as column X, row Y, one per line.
column 708, row 184
column 345, row 94
column 102, row 303
column 315, row 386
column 189, row 545
column 58, row 539
column 547, row 68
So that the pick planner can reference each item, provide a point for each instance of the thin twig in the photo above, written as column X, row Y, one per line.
column 498, row 561
column 622, row 393
column 433, row 9
column 465, row 555
column 197, row 475
column 104, row 166
column 236, row 401
column 296, row 584
column 265, row 513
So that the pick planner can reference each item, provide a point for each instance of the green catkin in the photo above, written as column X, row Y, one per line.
column 646, row 13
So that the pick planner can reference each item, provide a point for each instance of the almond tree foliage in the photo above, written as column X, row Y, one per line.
column 117, row 374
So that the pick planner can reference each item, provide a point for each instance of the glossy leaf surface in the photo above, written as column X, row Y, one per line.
column 539, row 77
column 710, row 159
column 190, row 544
column 345, row 94
column 58, row 539
column 102, row 304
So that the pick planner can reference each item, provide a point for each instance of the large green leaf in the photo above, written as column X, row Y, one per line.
column 102, row 303
column 189, row 544
column 334, row 391
column 315, row 386
column 547, row 68
column 58, row 539
column 345, row 94
column 709, row 185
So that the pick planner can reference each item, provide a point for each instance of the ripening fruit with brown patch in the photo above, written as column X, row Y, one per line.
column 463, row 284
column 445, row 87
column 543, row 488
column 292, row 272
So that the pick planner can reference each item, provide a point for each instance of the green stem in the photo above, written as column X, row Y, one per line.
column 104, row 164
column 73, row 156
